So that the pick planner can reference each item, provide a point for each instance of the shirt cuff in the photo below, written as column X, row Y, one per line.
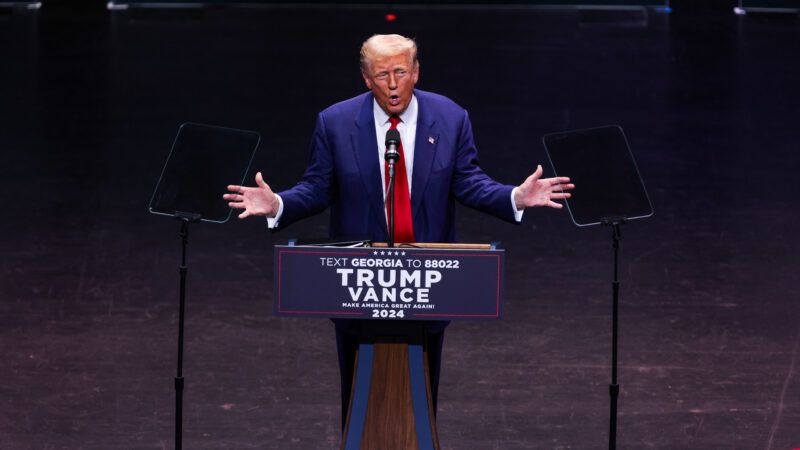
column 272, row 222
column 517, row 212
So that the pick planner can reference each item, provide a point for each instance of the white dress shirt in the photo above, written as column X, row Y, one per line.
column 408, row 132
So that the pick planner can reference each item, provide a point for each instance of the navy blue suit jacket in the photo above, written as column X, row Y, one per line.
column 344, row 172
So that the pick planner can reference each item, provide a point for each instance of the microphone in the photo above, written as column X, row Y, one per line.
column 392, row 142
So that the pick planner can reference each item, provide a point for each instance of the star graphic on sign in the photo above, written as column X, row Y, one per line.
column 375, row 252
column 403, row 253
column 383, row 252
column 396, row 253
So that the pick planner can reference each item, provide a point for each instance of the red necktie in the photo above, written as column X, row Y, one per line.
column 403, row 226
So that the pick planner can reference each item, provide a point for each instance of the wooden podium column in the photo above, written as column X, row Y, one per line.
column 390, row 406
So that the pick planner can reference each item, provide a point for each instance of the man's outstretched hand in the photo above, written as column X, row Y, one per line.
column 537, row 191
column 255, row 201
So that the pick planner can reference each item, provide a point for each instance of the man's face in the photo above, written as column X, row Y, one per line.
column 391, row 80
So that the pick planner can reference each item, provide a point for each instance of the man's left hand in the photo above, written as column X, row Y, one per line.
column 538, row 191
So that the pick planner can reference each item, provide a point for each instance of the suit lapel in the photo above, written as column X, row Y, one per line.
column 364, row 141
column 424, row 151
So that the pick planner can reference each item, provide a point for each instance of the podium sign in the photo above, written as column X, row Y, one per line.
column 388, row 283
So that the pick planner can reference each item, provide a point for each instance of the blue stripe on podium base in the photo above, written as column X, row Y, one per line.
column 358, row 410
column 419, row 397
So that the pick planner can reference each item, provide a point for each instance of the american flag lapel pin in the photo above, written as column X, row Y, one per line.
column 431, row 139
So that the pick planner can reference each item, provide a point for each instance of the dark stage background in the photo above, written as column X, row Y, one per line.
column 90, row 101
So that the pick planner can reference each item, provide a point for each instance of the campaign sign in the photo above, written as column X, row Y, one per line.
column 388, row 283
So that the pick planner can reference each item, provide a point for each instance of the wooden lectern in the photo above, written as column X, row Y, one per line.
column 394, row 290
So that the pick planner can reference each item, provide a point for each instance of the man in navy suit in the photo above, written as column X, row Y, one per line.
column 438, row 166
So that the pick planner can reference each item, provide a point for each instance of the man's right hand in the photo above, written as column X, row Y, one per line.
column 255, row 201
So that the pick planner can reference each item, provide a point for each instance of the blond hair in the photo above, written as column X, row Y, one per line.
column 387, row 45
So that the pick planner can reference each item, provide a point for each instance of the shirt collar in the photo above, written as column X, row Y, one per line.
column 408, row 117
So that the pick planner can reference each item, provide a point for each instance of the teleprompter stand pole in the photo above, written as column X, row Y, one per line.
column 613, row 388
column 184, row 233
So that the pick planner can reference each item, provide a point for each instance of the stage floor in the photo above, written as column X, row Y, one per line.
column 710, row 318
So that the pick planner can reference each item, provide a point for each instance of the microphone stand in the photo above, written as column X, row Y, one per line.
column 391, row 156
column 390, row 194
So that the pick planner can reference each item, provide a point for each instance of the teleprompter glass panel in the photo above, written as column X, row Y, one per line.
column 608, row 186
column 204, row 160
